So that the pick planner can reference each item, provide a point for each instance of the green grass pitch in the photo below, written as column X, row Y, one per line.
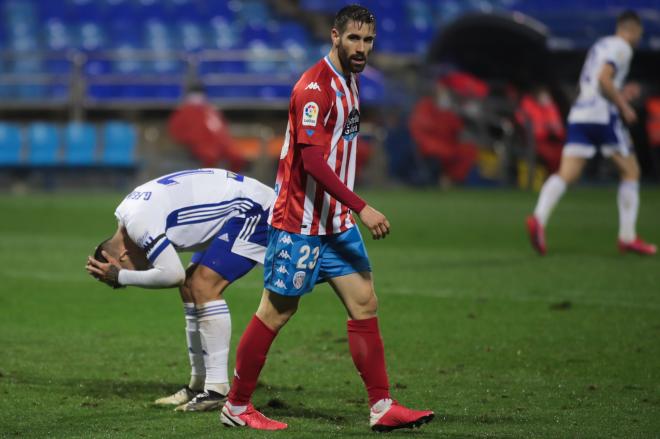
column 498, row 341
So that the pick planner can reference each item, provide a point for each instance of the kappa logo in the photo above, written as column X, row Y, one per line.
column 310, row 114
column 284, row 255
column 299, row 279
column 313, row 86
column 224, row 237
column 282, row 269
column 280, row 284
column 286, row 239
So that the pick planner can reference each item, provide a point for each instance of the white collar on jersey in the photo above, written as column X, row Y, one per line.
column 334, row 69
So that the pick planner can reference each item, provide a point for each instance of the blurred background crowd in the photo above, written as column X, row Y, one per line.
column 458, row 93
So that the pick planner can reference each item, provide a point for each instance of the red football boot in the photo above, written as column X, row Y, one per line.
column 637, row 246
column 251, row 417
column 536, row 234
column 397, row 416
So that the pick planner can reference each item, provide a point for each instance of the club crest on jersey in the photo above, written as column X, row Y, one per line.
column 313, row 86
column 352, row 125
column 299, row 279
column 310, row 114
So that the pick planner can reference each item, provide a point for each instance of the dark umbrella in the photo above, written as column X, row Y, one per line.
column 496, row 46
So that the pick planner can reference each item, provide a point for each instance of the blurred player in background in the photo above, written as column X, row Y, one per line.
column 220, row 215
column 313, row 236
column 595, row 122
column 203, row 130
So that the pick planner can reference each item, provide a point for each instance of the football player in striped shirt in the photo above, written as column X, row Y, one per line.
column 313, row 236
column 222, row 217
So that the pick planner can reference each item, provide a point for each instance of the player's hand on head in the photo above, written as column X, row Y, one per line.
column 106, row 272
column 375, row 221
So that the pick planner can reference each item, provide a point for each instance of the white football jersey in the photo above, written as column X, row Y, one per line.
column 591, row 106
column 187, row 209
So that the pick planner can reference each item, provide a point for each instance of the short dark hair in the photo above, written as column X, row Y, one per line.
column 98, row 252
column 628, row 16
column 357, row 13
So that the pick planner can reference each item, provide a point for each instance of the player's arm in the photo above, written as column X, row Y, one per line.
column 166, row 271
column 606, row 83
column 314, row 165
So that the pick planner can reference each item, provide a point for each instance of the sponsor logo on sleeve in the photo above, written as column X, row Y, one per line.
column 310, row 114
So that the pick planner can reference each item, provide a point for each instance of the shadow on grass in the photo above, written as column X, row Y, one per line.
column 141, row 390
column 481, row 419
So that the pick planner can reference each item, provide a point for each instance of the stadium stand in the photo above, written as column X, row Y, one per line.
column 119, row 143
column 11, row 144
column 43, row 144
column 147, row 49
column 80, row 144
column 120, row 58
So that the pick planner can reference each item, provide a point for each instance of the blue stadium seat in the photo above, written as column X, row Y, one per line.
column 225, row 34
column 43, row 144
column 91, row 36
column 57, row 35
column 80, row 144
column 119, row 144
column 11, row 144
column 191, row 35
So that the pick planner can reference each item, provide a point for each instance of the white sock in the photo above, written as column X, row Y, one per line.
column 215, row 329
column 381, row 405
column 628, row 201
column 197, row 370
column 552, row 190
column 236, row 409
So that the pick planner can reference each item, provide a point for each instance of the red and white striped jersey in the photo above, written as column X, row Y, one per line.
column 325, row 111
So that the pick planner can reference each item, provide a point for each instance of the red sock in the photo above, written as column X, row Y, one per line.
column 369, row 357
column 250, row 358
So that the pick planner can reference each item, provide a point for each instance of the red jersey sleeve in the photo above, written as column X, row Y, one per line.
column 311, row 109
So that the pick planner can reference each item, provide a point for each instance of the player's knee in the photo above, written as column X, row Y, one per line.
column 275, row 310
column 274, row 318
column 366, row 307
column 568, row 177
column 206, row 285
column 631, row 172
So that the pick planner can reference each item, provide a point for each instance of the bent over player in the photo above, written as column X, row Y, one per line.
column 313, row 237
column 595, row 122
column 220, row 215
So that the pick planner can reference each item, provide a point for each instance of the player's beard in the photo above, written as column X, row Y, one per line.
column 346, row 63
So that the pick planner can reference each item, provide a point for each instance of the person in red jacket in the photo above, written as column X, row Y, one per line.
column 204, row 131
column 539, row 112
column 436, row 128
